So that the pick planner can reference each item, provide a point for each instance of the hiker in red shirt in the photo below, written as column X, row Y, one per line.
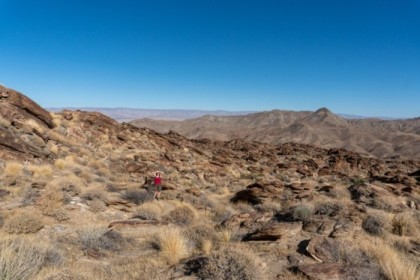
column 158, row 185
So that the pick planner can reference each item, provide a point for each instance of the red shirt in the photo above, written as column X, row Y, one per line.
column 158, row 181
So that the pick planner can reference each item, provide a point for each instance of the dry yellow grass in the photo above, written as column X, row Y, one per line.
column 53, row 148
column 207, row 246
column 13, row 169
column 150, row 211
column 394, row 265
column 403, row 224
column 35, row 125
column 56, row 136
column 65, row 163
column 172, row 245
column 57, row 119
column 41, row 171
column 225, row 235
column 24, row 222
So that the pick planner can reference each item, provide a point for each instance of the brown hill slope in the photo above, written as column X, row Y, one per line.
column 374, row 137
column 236, row 209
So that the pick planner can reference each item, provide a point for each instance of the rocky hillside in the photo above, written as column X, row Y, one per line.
column 76, row 183
column 371, row 137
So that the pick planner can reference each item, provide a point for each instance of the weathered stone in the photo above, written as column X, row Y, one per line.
column 257, row 193
column 323, row 249
column 133, row 223
column 274, row 231
column 335, row 271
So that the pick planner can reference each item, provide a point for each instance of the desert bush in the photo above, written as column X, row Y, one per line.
column 96, row 206
column 20, row 259
column 91, row 195
column 50, row 201
column 202, row 236
column 172, row 245
column 13, row 169
column 182, row 215
column 375, row 225
column 329, row 208
column 302, row 212
column 136, row 196
column 236, row 263
column 357, row 181
column 24, row 223
column 221, row 213
column 403, row 224
column 149, row 211
column 97, row 239
column 59, row 214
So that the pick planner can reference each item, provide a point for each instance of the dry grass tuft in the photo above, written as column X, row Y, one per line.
column 35, row 125
column 13, row 169
column 395, row 266
column 149, row 211
column 65, row 163
column 403, row 224
column 41, row 171
column 203, row 237
column 172, row 245
column 183, row 215
column 24, row 222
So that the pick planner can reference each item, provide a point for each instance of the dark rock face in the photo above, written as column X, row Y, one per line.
column 13, row 144
column 257, row 193
column 17, row 138
column 15, row 105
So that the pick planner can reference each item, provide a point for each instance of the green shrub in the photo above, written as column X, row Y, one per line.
column 375, row 225
column 302, row 213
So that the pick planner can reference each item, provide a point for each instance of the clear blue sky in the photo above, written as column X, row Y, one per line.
column 356, row 57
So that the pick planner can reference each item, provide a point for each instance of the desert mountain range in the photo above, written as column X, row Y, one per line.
column 76, row 202
column 129, row 114
column 371, row 137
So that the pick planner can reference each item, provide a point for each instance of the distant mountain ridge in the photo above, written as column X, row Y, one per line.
column 370, row 136
column 129, row 114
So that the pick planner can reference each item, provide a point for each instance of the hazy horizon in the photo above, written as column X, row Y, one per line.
column 359, row 58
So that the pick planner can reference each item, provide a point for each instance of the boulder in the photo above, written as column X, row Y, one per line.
column 15, row 105
column 324, row 249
